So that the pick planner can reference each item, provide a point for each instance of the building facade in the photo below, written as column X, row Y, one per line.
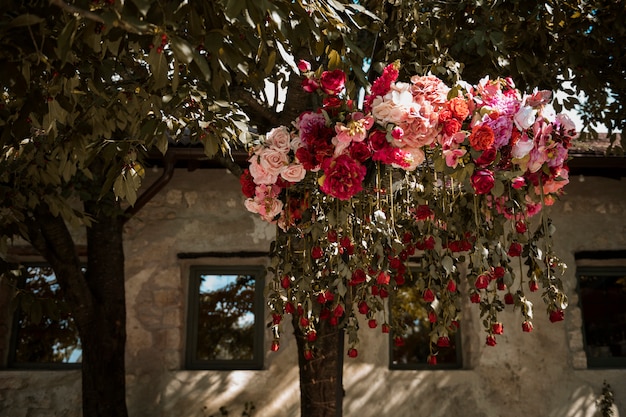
column 198, row 220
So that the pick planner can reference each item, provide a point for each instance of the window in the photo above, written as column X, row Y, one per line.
column 225, row 317
column 602, row 288
column 44, row 333
column 410, row 310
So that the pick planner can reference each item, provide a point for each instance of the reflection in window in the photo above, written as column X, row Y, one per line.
column 226, row 328
column 44, row 331
column 603, row 305
column 410, row 310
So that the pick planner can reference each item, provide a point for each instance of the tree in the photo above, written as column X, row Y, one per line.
column 89, row 86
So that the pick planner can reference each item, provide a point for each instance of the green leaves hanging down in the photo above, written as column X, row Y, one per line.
column 128, row 182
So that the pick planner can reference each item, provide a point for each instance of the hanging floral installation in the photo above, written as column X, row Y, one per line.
column 430, row 186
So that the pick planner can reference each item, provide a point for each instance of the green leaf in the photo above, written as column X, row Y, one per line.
column 26, row 20
column 143, row 6
column 183, row 51
column 271, row 61
column 65, row 40
column 234, row 8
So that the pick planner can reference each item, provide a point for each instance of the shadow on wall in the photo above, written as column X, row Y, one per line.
column 202, row 393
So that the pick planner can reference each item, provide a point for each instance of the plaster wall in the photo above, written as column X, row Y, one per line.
column 539, row 374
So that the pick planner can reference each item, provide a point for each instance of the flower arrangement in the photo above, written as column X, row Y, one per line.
column 426, row 185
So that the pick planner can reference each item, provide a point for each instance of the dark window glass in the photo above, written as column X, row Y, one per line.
column 44, row 333
column 603, row 305
column 409, row 309
column 225, row 318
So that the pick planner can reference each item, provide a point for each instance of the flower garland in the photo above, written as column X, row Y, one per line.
column 426, row 175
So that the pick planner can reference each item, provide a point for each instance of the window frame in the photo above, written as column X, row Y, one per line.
column 15, row 327
column 605, row 268
column 423, row 366
column 193, row 298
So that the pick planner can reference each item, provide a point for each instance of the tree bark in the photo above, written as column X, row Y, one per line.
column 95, row 297
column 321, row 389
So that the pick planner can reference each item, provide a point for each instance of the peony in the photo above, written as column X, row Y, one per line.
column 482, row 181
column 343, row 177
column 333, row 82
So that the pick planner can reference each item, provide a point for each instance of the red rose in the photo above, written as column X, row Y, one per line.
column 451, row 126
column 400, row 280
column 248, row 187
column 285, row 282
column 557, row 315
column 398, row 341
column 289, row 308
column 385, row 328
column 332, row 236
column 491, row 340
column 353, row 353
column 308, row 354
column 378, row 140
column 423, row 212
column 372, row 323
column 520, row 227
column 275, row 345
column 324, row 314
column 498, row 272
column 515, row 249
column 276, row 318
column 343, row 177
column 363, row 307
column 428, row 295
column 482, row 181
column 481, row 138
column 533, row 286
column 487, row 157
column 383, row 293
column 475, row 298
column 304, row 322
column 383, row 278
column 432, row 360
column 331, row 103
column 443, row 341
column 333, row 82
column 432, row 317
column 317, row 252
column 527, row 326
column 482, row 281
column 338, row 311
column 508, row 298
column 451, row 286
column 358, row 277
column 311, row 336
column 501, row 285
column 497, row 328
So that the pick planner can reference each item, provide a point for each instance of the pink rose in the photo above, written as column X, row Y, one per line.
column 278, row 138
column 343, row 177
column 273, row 160
column 304, row 66
column 482, row 281
column 482, row 181
column 333, row 82
column 260, row 174
column 293, row 173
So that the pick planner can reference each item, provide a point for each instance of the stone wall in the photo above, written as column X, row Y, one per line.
column 543, row 373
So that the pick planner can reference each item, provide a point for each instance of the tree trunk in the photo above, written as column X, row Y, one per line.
column 103, row 330
column 96, row 299
column 321, row 388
